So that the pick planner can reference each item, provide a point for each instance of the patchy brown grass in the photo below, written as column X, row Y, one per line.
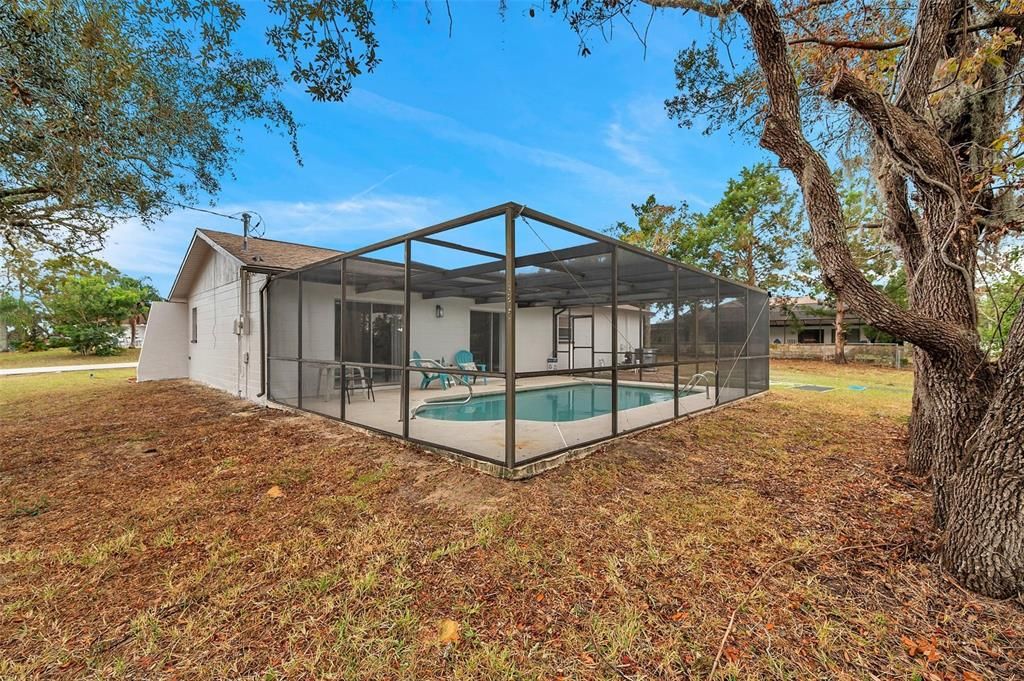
column 139, row 541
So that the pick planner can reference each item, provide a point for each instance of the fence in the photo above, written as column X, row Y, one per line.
column 880, row 354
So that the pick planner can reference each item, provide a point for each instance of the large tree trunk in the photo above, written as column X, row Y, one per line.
column 957, row 405
column 984, row 545
column 965, row 408
column 919, row 451
column 840, row 357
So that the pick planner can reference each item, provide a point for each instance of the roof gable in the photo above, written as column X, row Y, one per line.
column 267, row 253
column 264, row 254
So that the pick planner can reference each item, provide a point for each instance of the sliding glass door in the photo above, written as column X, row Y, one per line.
column 373, row 334
column 486, row 338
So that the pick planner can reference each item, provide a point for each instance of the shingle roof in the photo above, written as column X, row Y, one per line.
column 269, row 253
column 808, row 313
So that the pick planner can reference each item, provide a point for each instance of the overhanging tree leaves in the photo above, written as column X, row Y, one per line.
column 122, row 109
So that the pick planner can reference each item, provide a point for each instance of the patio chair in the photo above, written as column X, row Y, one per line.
column 428, row 378
column 464, row 360
column 356, row 379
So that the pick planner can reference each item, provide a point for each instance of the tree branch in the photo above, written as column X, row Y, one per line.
column 851, row 44
column 712, row 9
column 1000, row 20
column 929, row 159
column 784, row 136
column 1013, row 350
column 924, row 49
column 899, row 224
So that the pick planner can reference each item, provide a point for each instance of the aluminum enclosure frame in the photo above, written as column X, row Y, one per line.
column 509, row 262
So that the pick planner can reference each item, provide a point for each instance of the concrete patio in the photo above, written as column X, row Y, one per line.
column 487, row 438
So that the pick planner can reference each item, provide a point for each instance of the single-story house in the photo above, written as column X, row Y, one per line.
column 427, row 337
column 805, row 319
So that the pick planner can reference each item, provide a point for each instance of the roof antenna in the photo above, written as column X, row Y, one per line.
column 245, row 231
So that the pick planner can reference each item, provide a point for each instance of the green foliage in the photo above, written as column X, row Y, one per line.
column 751, row 234
column 23, row 323
column 999, row 302
column 86, row 308
column 85, row 311
column 120, row 109
column 658, row 227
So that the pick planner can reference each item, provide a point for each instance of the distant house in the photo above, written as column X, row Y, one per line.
column 807, row 320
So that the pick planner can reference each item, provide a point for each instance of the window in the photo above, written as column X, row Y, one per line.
column 195, row 324
column 564, row 328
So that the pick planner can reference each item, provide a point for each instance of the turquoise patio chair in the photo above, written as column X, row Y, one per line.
column 464, row 360
column 428, row 378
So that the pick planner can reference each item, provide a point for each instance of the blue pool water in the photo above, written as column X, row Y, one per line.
column 557, row 403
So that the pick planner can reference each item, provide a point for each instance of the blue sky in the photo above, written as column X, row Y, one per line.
column 504, row 110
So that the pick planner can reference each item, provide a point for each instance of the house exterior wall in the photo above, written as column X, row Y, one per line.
column 250, row 340
column 220, row 357
column 164, row 355
column 785, row 333
column 627, row 339
column 440, row 338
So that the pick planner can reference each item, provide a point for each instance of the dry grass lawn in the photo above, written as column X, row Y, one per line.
column 139, row 541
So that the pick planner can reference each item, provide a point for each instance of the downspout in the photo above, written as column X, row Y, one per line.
column 242, row 325
column 263, row 359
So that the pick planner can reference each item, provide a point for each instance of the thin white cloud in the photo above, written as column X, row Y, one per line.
column 449, row 129
column 628, row 145
column 364, row 218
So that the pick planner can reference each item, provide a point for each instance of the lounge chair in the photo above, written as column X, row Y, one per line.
column 429, row 378
column 464, row 360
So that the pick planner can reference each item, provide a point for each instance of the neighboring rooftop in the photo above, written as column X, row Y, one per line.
column 805, row 309
column 279, row 255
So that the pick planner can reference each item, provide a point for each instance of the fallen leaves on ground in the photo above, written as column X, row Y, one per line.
column 156, row 558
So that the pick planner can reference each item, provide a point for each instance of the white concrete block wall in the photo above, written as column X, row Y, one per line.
column 533, row 338
column 439, row 338
column 214, row 356
column 318, row 320
column 165, row 351
column 220, row 357
column 251, row 342
column 282, row 323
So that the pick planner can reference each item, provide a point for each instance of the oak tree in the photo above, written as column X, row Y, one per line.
column 128, row 108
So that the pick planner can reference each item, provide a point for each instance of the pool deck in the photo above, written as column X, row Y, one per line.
column 487, row 438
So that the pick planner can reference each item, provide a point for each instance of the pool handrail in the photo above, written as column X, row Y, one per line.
column 695, row 380
column 442, row 403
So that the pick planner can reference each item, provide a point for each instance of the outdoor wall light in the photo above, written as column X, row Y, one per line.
column 439, row 312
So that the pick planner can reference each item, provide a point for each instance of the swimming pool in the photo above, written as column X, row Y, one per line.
column 554, row 404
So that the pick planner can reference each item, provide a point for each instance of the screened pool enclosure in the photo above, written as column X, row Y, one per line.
column 510, row 337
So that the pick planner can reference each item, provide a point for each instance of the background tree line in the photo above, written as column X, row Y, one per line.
column 81, row 303
column 755, row 233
